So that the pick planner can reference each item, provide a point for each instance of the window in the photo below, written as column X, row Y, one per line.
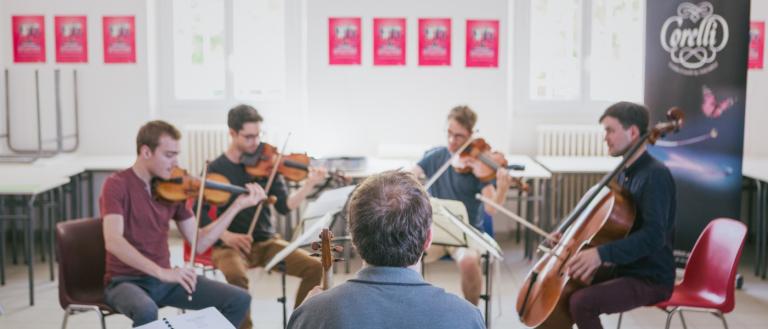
column 578, row 53
column 223, row 52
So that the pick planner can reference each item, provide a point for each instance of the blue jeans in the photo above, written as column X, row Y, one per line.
column 140, row 297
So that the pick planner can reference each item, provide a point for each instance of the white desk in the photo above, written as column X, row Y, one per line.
column 375, row 165
column 757, row 170
column 536, row 198
column 578, row 165
column 29, row 182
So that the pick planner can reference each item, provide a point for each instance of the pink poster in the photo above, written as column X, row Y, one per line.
column 119, row 39
column 389, row 41
column 28, row 39
column 434, row 41
column 344, row 41
column 756, row 44
column 71, row 39
column 482, row 43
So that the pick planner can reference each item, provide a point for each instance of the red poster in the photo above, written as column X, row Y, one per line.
column 119, row 39
column 434, row 41
column 344, row 41
column 71, row 39
column 756, row 44
column 389, row 41
column 482, row 43
column 28, row 39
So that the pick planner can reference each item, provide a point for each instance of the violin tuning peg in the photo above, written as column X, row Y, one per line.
column 338, row 259
column 338, row 248
column 315, row 254
column 315, row 245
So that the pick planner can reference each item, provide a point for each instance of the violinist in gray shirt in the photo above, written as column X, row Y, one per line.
column 390, row 220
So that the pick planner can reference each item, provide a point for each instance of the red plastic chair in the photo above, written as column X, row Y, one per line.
column 708, row 284
column 203, row 260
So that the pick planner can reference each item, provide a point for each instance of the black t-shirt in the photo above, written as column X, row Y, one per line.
column 237, row 175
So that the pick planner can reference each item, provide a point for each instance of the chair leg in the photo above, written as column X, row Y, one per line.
column 618, row 325
column 101, row 318
column 66, row 316
column 670, row 314
column 722, row 318
column 682, row 319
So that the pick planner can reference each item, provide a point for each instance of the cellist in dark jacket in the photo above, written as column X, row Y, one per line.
column 644, row 266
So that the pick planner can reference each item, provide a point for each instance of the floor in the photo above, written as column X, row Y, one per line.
column 751, row 302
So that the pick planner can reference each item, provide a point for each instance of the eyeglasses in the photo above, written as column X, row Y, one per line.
column 459, row 136
column 252, row 137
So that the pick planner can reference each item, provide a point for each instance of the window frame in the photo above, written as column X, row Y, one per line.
column 167, row 100
column 520, row 91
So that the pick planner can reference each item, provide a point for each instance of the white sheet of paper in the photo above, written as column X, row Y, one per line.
column 203, row 319
column 309, row 234
column 329, row 201
column 446, row 215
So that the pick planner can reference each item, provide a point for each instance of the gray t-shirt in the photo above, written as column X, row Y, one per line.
column 386, row 297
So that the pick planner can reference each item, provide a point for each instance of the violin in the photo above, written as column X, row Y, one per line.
column 478, row 159
column 605, row 214
column 327, row 257
column 294, row 167
column 181, row 186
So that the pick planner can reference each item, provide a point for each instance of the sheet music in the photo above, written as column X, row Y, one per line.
column 309, row 235
column 329, row 201
column 203, row 319
column 451, row 227
column 477, row 240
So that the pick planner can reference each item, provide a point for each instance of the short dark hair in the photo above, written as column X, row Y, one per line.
column 150, row 133
column 242, row 114
column 629, row 114
column 464, row 116
column 389, row 217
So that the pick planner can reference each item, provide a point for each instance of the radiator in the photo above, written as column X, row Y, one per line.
column 201, row 143
column 572, row 141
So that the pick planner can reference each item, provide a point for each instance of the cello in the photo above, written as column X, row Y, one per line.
column 606, row 213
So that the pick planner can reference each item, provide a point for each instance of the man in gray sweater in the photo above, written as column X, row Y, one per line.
column 390, row 219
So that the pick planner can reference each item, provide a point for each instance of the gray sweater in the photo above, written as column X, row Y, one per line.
column 386, row 297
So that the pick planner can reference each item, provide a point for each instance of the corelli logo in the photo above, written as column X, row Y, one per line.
column 693, row 38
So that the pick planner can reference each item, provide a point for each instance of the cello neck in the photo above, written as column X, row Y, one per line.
column 605, row 181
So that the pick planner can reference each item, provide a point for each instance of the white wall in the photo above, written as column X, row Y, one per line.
column 114, row 98
column 330, row 109
column 755, row 132
column 400, row 104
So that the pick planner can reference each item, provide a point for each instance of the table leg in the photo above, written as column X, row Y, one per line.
column 30, row 247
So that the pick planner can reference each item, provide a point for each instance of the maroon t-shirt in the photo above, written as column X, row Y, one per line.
column 145, row 220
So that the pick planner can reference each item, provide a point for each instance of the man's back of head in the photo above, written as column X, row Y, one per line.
column 390, row 219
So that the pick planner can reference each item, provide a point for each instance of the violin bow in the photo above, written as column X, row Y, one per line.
column 445, row 165
column 268, row 186
column 191, row 263
column 517, row 218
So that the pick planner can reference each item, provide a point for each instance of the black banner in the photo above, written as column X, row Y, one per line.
column 696, row 59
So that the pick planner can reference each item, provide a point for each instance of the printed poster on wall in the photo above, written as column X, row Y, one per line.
column 71, row 39
column 482, row 43
column 756, row 44
column 696, row 59
column 344, row 41
column 434, row 41
column 389, row 41
column 28, row 39
column 119, row 39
